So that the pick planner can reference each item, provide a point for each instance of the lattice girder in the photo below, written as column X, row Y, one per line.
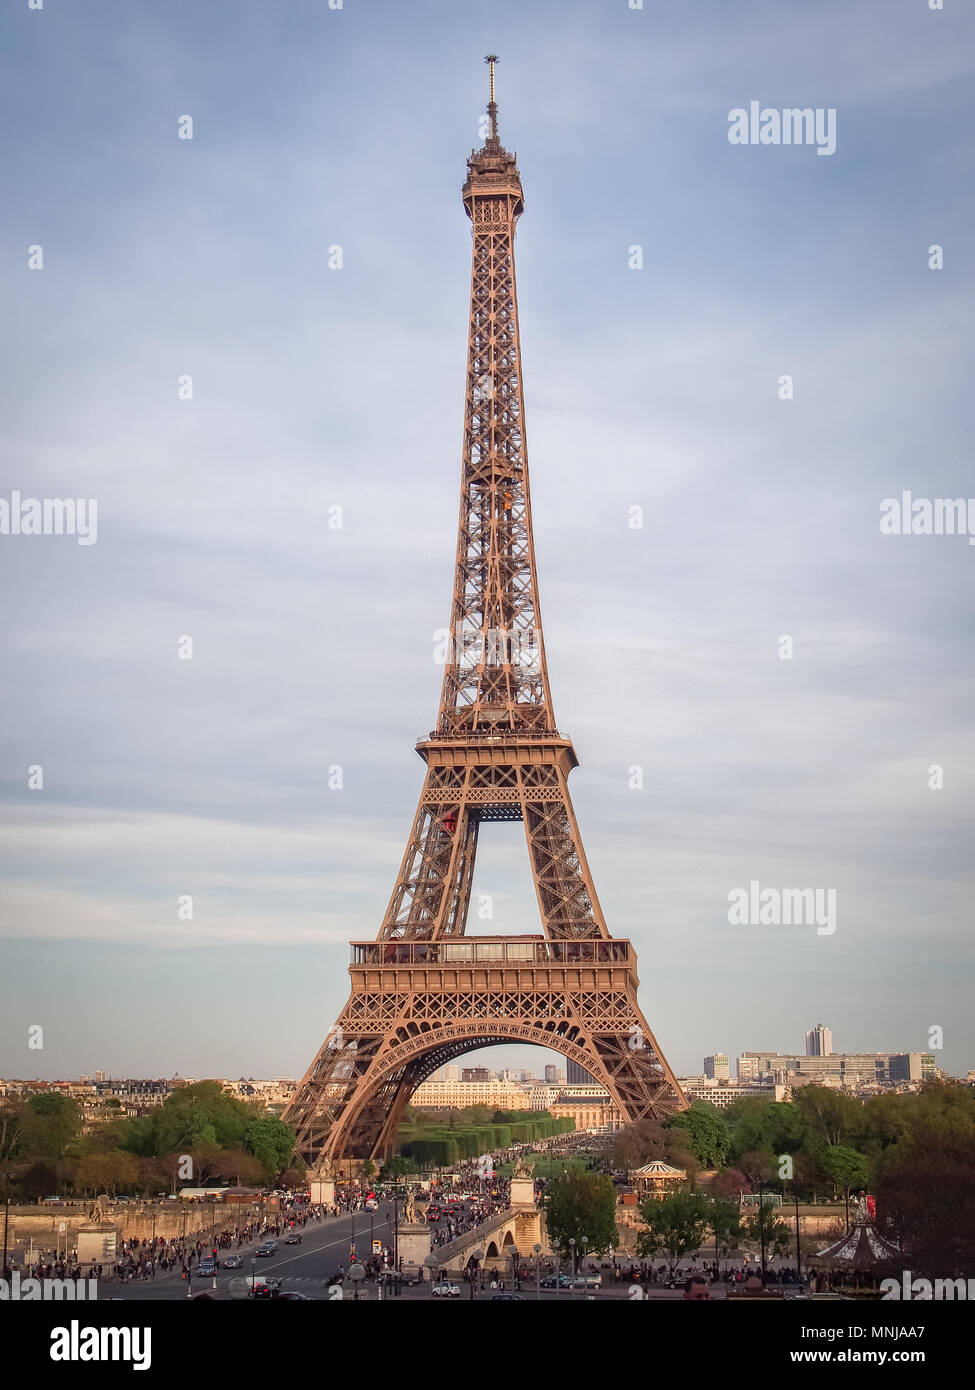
column 495, row 755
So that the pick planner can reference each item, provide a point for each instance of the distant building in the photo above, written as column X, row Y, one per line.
column 99, row 1076
column 717, row 1067
column 725, row 1093
column 475, row 1074
column 845, row 1070
column 451, row 1095
column 819, row 1041
column 590, row 1107
column 551, row 1074
column 578, row 1076
column 913, row 1066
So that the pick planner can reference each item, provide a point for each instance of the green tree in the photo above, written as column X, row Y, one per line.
column 581, row 1204
column 725, row 1222
column 778, row 1236
column 832, row 1115
column 708, row 1130
column 200, row 1114
column 271, row 1141
column 106, row 1172
column 844, row 1167
column 11, row 1128
column 39, row 1180
column 676, row 1225
column 50, row 1123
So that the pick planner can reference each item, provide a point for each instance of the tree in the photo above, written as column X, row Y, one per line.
column 39, row 1179
column 729, row 1183
column 725, row 1223
column 926, row 1201
column 646, row 1140
column 106, row 1172
column 50, row 1123
column 368, row 1170
column 271, row 1141
column 844, row 1167
column 760, row 1165
column 581, row 1204
column 777, row 1234
column 11, row 1129
column 201, row 1113
column 833, row 1115
column 396, row 1167
column 709, row 1134
column 675, row 1225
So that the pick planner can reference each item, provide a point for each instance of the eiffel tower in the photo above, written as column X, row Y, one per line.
column 424, row 992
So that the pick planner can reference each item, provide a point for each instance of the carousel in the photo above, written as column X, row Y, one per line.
column 857, row 1262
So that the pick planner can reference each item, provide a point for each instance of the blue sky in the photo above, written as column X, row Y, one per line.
column 315, row 388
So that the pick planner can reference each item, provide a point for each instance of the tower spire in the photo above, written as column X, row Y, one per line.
column 492, row 139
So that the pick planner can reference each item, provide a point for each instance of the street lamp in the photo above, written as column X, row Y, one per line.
column 396, row 1280
column 798, row 1251
column 585, row 1270
column 538, row 1287
column 572, row 1247
column 7, row 1179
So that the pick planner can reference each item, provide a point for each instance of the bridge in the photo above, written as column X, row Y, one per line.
column 518, row 1229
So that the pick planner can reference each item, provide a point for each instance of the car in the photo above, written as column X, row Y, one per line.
column 372, row 1204
column 291, row 1296
column 446, row 1290
column 270, row 1288
column 592, row 1281
column 293, row 1239
column 54, row 1201
column 234, row 1262
column 264, row 1252
column 206, row 1268
column 507, row 1298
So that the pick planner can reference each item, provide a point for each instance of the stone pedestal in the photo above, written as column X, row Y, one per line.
column 414, row 1241
column 97, row 1241
column 522, row 1192
column 323, row 1191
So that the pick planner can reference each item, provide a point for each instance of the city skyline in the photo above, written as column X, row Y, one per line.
column 214, row 779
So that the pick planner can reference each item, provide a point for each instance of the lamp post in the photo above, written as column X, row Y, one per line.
column 572, row 1247
column 761, row 1224
column 538, row 1287
column 798, row 1251
column 396, row 1281
column 7, row 1179
column 585, row 1267
column 477, row 1256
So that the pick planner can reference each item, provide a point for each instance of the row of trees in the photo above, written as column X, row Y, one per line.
column 833, row 1141
column 583, row 1204
column 433, row 1141
column 915, row 1152
column 198, row 1135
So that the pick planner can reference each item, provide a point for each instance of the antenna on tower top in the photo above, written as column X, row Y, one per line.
column 491, row 59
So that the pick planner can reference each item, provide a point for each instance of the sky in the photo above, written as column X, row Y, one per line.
column 668, row 281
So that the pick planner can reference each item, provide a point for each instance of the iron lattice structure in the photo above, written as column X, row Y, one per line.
column 424, row 992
